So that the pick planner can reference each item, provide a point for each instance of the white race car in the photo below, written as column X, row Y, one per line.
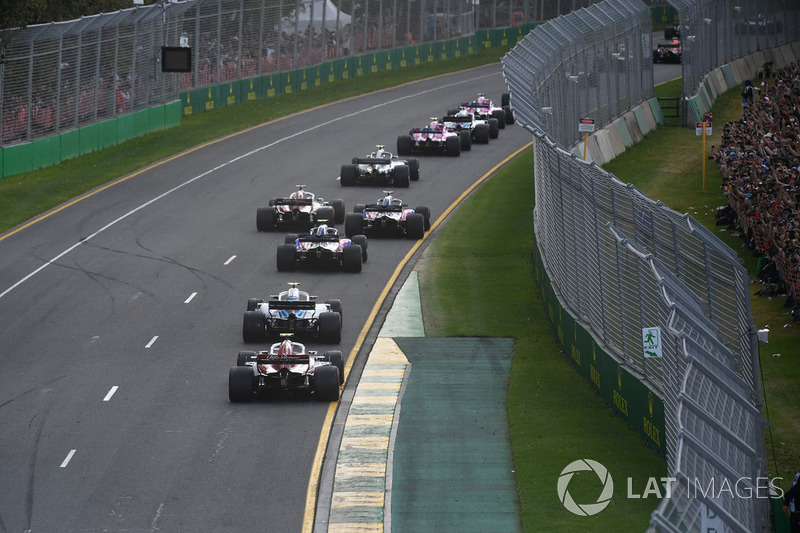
column 292, row 311
column 286, row 368
column 322, row 246
column 300, row 209
column 388, row 215
column 380, row 167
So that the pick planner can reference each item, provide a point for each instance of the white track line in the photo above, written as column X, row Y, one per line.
column 68, row 458
column 230, row 260
column 111, row 393
column 230, row 162
column 190, row 298
column 152, row 342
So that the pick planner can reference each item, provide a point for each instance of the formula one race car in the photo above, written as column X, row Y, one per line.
column 300, row 209
column 380, row 167
column 286, row 368
column 388, row 215
column 292, row 311
column 322, row 246
column 484, row 108
column 668, row 52
column 433, row 138
column 480, row 129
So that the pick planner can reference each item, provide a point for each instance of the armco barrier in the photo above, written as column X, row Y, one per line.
column 47, row 151
column 640, row 408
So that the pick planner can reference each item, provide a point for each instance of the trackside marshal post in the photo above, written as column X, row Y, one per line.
column 586, row 125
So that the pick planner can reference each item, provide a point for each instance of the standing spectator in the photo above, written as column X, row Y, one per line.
column 747, row 94
column 791, row 504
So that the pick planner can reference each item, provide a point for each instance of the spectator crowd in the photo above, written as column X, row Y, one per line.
column 759, row 159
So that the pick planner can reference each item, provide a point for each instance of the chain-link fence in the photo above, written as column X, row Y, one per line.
column 595, row 62
column 715, row 32
column 622, row 262
column 60, row 76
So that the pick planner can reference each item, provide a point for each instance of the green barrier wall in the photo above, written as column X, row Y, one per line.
column 19, row 158
column 631, row 399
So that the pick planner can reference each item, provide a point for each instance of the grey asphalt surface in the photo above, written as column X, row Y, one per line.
column 112, row 308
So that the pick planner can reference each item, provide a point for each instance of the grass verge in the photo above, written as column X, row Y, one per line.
column 24, row 196
column 483, row 285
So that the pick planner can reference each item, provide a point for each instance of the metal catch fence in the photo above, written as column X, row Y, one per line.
column 622, row 262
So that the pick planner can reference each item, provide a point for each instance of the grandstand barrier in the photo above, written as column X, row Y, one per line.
column 48, row 151
column 638, row 405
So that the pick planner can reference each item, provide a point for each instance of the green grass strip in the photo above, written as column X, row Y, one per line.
column 476, row 279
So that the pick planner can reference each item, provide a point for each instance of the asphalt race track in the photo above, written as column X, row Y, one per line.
column 120, row 317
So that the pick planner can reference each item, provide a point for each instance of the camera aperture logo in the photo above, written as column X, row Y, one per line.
column 586, row 509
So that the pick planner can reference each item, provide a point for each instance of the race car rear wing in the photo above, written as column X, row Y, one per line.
column 457, row 119
column 383, row 209
column 371, row 161
column 292, row 201
column 282, row 305
column 277, row 359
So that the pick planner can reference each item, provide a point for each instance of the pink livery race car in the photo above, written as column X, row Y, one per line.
column 322, row 246
column 389, row 215
column 434, row 138
column 286, row 368
column 484, row 108
column 300, row 209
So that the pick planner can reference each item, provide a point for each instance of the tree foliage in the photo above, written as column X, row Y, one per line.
column 21, row 13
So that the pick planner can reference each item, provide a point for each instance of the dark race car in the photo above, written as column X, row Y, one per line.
column 668, row 52
column 380, row 167
column 292, row 311
column 480, row 129
column 322, row 246
column 300, row 209
column 286, row 369
column 388, row 216
column 434, row 138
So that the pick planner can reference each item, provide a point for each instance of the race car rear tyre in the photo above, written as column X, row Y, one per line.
column 336, row 306
column 289, row 238
column 358, row 208
column 252, row 303
column 240, row 384
column 482, row 133
column 452, row 112
column 426, row 214
column 404, row 145
column 361, row 240
column 245, row 356
column 326, row 215
column 413, row 167
column 509, row 115
column 453, row 146
column 466, row 140
column 287, row 258
column 335, row 358
column 352, row 258
column 326, row 383
column 353, row 224
column 505, row 99
column 338, row 211
column 500, row 115
column 401, row 176
column 253, row 329
column 347, row 178
column 266, row 218
column 494, row 128
column 330, row 327
column 415, row 226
